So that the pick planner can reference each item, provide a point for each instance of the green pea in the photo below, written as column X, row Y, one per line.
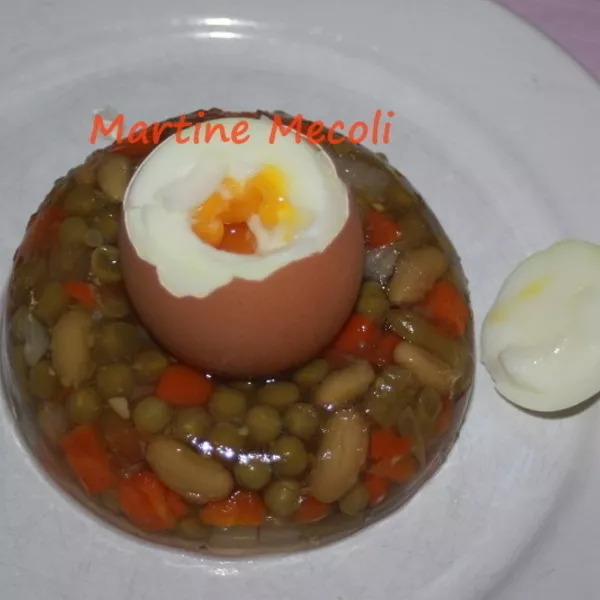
column 72, row 231
column 42, row 382
column 311, row 374
column 226, row 435
column 81, row 201
column 84, row 405
column 279, row 394
column 53, row 302
column 151, row 414
column 107, row 223
column 114, row 173
column 264, row 423
column 253, row 474
column 190, row 528
column 193, row 422
column 149, row 365
column 282, row 497
column 227, row 404
column 355, row 501
column 117, row 340
column 302, row 420
column 105, row 264
column 115, row 380
column 291, row 454
column 373, row 301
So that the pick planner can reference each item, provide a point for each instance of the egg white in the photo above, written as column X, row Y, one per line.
column 177, row 177
column 541, row 339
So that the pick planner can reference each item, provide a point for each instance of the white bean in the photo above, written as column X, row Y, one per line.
column 416, row 272
column 431, row 371
column 72, row 339
column 197, row 478
column 342, row 387
column 340, row 457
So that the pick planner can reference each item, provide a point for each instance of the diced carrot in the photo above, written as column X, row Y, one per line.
column 241, row 508
column 357, row 337
column 180, row 385
column 380, row 229
column 88, row 458
column 444, row 418
column 311, row 510
column 396, row 469
column 238, row 238
column 382, row 352
column 445, row 306
column 361, row 337
column 42, row 228
column 250, row 508
column 387, row 444
column 82, row 292
column 148, row 503
column 176, row 504
column 123, row 440
column 378, row 488
column 222, row 513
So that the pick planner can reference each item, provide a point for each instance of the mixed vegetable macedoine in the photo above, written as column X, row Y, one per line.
column 175, row 449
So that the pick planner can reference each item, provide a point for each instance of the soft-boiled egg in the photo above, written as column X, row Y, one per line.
column 243, row 259
column 541, row 339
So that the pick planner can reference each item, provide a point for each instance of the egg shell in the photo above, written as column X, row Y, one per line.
column 253, row 328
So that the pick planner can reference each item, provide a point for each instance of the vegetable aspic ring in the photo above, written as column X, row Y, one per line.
column 283, row 461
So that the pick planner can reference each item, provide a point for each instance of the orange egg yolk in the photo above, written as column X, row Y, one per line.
column 222, row 219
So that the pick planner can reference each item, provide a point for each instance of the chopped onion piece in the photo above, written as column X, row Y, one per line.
column 380, row 263
column 120, row 405
column 36, row 338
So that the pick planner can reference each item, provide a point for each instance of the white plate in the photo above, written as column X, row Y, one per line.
column 499, row 131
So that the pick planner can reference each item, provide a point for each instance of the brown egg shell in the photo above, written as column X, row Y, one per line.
column 253, row 328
